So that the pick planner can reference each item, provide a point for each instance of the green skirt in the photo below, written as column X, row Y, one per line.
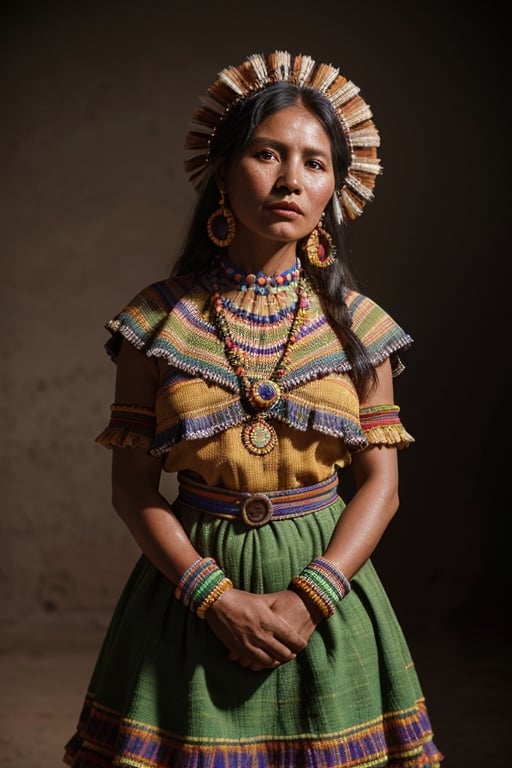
column 164, row 695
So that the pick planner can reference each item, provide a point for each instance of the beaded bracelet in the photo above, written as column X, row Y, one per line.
column 201, row 585
column 323, row 584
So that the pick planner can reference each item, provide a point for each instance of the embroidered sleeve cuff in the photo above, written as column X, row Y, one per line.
column 130, row 426
column 382, row 426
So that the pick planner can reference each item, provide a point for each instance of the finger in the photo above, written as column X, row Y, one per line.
column 292, row 641
column 255, row 656
column 279, row 651
column 256, row 666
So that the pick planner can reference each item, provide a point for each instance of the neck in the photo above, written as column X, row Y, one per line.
column 271, row 260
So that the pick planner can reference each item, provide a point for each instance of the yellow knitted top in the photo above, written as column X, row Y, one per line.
column 198, row 416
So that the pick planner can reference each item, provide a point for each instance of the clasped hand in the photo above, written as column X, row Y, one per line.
column 262, row 631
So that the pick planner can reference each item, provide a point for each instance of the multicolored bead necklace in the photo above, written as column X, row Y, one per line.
column 259, row 395
column 259, row 282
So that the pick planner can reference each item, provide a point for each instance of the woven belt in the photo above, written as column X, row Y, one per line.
column 256, row 509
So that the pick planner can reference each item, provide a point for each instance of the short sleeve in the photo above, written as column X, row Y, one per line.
column 382, row 425
column 130, row 426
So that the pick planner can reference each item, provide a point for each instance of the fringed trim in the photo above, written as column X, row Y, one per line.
column 134, row 426
column 381, row 335
column 396, row 436
column 130, row 426
column 341, row 427
column 382, row 426
column 324, row 366
column 399, row 740
column 167, row 320
column 121, row 438
column 301, row 415
column 212, row 367
column 117, row 326
column 294, row 413
column 198, row 427
column 390, row 350
column 144, row 317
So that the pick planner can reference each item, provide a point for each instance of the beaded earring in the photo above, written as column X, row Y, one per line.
column 221, row 225
column 319, row 248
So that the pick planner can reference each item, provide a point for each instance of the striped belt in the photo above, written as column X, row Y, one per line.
column 256, row 509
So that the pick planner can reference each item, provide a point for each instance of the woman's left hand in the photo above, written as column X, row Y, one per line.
column 294, row 611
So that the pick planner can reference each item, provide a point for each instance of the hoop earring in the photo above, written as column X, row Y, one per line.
column 319, row 248
column 221, row 225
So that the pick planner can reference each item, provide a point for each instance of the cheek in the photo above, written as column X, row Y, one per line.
column 325, row 190
column 248, row 191
column 256, row 181
column 320, row 196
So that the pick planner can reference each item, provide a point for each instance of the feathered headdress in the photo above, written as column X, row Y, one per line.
column 259, row 71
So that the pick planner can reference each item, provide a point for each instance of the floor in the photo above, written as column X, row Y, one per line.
column 40, row 698
column 466, row 684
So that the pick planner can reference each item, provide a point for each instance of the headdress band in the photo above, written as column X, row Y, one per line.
column 259, row 71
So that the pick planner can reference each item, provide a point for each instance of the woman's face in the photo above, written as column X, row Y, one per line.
column 279, row 184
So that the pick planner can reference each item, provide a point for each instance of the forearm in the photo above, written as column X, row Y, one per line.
column 359, row 531
column 150, row 520
column 367, row 515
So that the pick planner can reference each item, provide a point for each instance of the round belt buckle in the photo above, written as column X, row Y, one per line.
column 256, row 510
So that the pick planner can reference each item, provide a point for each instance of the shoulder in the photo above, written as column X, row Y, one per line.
column 142, row 317
column 378, row 330
column 363, row 309
column 160, row 296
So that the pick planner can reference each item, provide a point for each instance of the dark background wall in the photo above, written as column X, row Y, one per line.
column 95, row 99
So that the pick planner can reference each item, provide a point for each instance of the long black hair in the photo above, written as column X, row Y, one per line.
column 331, row 283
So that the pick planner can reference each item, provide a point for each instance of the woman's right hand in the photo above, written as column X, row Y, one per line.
column 255, row 636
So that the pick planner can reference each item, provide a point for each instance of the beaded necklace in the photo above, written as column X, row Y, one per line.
column 258, row 395
column 259, row 282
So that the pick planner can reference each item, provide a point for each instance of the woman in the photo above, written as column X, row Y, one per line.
column 254, row 630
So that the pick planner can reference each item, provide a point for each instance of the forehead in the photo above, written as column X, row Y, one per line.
column 296, row 121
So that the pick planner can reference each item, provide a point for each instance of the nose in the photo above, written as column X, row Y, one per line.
column 289, row 179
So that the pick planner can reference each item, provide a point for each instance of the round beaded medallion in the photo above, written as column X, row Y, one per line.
column 259, row 437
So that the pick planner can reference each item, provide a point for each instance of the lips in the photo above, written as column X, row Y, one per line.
column 285, row 206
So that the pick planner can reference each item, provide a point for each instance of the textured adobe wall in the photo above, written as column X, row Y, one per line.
column 95, row 103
